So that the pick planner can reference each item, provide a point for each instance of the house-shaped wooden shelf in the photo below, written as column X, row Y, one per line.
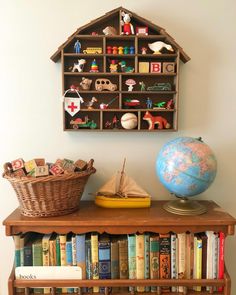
column 154, row 95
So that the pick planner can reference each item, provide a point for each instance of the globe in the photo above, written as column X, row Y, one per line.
column 186, row 166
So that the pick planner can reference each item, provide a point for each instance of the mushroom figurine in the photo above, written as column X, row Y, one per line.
column 130, row 83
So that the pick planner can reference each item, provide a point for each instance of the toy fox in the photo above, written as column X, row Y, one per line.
column 152, row 120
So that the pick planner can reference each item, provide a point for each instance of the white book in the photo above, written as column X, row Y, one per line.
column 181, row 258
column 48, row 272
column 209, row 271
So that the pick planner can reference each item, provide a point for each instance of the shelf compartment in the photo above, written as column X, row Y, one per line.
column 85, row 43
column 110, row 99
column 69, row 62
column 108, row 120
column 128, row 60
column 89, row 120
column 143, row 42
column 169, row 116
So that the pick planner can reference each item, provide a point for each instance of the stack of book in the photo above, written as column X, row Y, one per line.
column 135, row 256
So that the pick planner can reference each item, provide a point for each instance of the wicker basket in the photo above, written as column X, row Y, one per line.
column 50, row 195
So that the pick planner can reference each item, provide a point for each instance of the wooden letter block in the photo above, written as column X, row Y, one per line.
column 17, row 164
column 41, row 171
column 19, row 173
column 143, row 67
column 155, row 67
column 81, row 165
column 56, row 170
column 30, row 165
column 168, row 67
column 40, row 162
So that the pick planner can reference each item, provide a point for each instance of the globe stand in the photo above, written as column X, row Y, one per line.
column 184, row 206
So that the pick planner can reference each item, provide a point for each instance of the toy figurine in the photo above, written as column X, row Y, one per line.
column 77, row 47
column 104, row 106
column 152, row 120
column 94, row 67
column 115, row 122
column 114, row 50
column 170, row 104
column 143, row 86
column 120, row 50
column 78, row 66
column 149, row 103
column 108, row 125
column 159, row 105
column 124, row 68
column 126, row 50
column 113, row 66
column 131, row 50
column 128, row 28
column 157, row 46
column 130, row 83
column 90, row 103
column 144, row 50
column 85, row 83
column 110, row 31
column 109, row 50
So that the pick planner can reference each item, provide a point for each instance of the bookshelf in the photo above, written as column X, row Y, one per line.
column 90, row 218
column 97, row 118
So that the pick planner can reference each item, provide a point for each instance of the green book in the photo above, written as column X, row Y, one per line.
column 58, row 258
column 147, row 259
column 37, row 258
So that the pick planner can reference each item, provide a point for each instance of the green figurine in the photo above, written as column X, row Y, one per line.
column 142, row 85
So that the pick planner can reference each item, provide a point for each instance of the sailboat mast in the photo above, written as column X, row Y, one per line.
column 121, row 177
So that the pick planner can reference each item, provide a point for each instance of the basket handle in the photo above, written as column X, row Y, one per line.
column 7, row 168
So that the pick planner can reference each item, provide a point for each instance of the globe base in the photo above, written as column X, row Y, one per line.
column 184, row 206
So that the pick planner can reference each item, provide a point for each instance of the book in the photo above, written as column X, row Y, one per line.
column 197, row 274
column 94, row 256
column 173, row 259
column 209, row 271
column 88, row 259
column 37, row 258
column 189, row 255
column 58, row 251
column 123, row 260
column 28, row 255
column 16, row 239
column 165, row 249
column 50, row 272
column 140, row 260
column 221, row 269
column 115, row 261
column 154, row 259
column 23, row 240
column 181, row 258
column 80, row 253
column 147, row 259
column 104, row 258
column 132, row 258
column 52, row 250
column 62, row 239
column 45, row 249
column 215, row 257
column 204, row 254
column 69, row 256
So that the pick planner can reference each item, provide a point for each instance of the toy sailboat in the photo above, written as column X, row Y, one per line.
column 121, row 191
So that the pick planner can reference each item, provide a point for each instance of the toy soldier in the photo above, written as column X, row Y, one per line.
column 77, row 46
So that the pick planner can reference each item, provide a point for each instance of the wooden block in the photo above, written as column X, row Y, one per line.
column 19, row 173
column 40, row 162
column 56, row 170
column 30, row 165
column 168, row 67
column 143, row 67
column 17, row 164
column 155, row 67
column 31, row 173
column 66, row 163
column 81, row 165
column 41, row 171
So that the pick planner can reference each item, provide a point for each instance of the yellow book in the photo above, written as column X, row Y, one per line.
column 140, row 260
column 45, row 247
column 197, row 261
column 62, row 239
column 94, row 256
column 52, row 251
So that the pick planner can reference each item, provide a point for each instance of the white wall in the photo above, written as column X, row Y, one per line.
column 31, row 115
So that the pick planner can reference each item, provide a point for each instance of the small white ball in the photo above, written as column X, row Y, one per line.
column 129, row 121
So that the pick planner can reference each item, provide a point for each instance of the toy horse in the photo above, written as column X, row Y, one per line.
column 79, row 66
column 152, row 120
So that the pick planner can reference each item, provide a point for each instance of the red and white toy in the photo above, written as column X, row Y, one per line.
column 128, row 28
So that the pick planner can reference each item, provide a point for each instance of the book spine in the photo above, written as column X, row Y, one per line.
column 52, row 252
column 69, row 260
column 104, row 261
column 58, row 258
column 22, row 251
column 88, row 259
column 221, row 259
column 132, row 258
column 123, row 261
column 140, row 260
column 63, row 255
column 37, row 261
column 147, row 259
column 173, row 260
column 28, row 258
column 115, row 263
column 80, row 250
column 73, row 246
column 16, row 239
column 165, row 249
column 209, row 274
column 181, row 258
column 94, row 255
column 204, row 255
column 154, row 260
column 198, row 262
column 45, row 248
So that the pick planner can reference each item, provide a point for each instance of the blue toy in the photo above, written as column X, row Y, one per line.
column 149, row 103
column 77, row 47
column 131, row 50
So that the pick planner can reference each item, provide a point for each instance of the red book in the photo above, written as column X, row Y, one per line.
column 221, row 268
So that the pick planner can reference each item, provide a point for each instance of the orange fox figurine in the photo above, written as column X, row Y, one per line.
column 152, row 120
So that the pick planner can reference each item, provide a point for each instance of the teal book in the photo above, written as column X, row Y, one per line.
column 37, row 251
column 154, row 260
column 147, row 259
column 104, row 258
column 132, row 258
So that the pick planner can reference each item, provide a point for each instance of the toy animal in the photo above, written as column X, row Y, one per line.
column 128, row 28
column 85, row 83
column 124, row 68
column 170, row 104
column 78, row 66
column 153, row 120
column 157, row 46
column 90, row 103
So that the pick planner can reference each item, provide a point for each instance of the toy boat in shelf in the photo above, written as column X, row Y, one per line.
column 121, row 191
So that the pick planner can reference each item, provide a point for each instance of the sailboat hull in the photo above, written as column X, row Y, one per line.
column 109, row 202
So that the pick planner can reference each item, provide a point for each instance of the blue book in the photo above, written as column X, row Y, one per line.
column 69, row 257
column 132, row 258
column 80, row 254
column 147, row 259
column 104, row 258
